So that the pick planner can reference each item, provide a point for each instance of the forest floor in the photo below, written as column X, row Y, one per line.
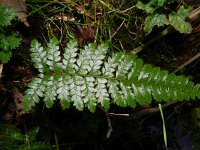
column 73, row 130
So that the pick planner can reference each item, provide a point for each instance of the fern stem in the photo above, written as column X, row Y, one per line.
column 56, row 141
column 164, row 128
column 90, row 75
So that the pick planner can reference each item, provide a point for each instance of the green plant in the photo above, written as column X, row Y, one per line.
column 8, row 41
column 87, row 77
column 12, row 138
column 195, row 139
column 155, row 17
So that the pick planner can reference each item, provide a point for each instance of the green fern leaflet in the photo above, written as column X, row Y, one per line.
column 8, row 40
column 7, row 14
column 89, row 77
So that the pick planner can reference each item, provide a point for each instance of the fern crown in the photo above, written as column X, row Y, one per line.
column 88, row 77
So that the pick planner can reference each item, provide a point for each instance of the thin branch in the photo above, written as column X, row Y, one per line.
column 118, row 28
column 160, row 35
column 1, row 68
column 110, row 128
column 114, row 114
column 187, row 62
column 144, row 112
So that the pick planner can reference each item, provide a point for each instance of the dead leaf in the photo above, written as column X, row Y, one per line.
column 18, row 99
column 8, row 117
column 7, row 109
column 20, row 6
column 85, row 33
column 86, row 2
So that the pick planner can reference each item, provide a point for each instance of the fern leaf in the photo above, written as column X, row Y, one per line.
column 5, row 56
column 63, row 91
column 7, row 43
column 53, row 55
column 88, row 77
column 38, row 55
column 70, row 54
column 7, row 14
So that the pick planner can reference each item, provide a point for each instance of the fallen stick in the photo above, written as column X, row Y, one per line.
column 187, row 62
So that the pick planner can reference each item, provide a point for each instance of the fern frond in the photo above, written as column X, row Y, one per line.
column 8, row 43
column 12, row 138
column 5, row 56
column 7, row 14
column 87, row 77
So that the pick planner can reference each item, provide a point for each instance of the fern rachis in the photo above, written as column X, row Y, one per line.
column 87, row 77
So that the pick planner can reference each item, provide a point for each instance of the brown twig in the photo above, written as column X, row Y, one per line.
column 1, row 68
column 187, row 62
column 160, row 35
column 110, row 128
column 144, row 112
